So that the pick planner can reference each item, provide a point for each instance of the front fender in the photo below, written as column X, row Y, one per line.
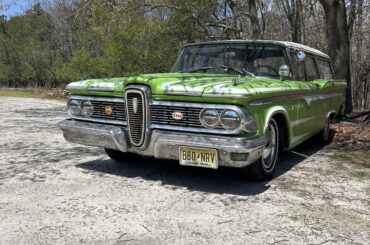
column 272, row 112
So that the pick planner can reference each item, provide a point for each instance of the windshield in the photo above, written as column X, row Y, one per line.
column 255, row 59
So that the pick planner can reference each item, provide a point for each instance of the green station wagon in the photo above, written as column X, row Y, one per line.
column 224, row 103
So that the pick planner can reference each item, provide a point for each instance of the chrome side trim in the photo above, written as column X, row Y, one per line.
column 307, row 98
column 300, row 121
column 225, row 95
column 312, row 98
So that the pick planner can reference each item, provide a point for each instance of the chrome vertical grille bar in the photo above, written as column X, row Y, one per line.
column 136, row 116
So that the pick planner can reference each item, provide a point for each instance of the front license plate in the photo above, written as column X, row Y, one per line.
column 198, row 157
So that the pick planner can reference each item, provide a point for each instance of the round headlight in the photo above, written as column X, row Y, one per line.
column 230, row 119
column 209, row 118
column 87, row 109
column 74, row 106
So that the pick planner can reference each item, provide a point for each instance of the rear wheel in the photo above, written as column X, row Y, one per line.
column 263, row 168
column 120, row 156
column 326, row 135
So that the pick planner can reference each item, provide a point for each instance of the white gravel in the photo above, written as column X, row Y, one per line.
column 54, row 192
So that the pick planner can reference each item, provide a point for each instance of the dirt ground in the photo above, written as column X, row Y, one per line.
column 54, row 192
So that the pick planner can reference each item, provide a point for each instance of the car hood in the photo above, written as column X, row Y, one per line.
column 192, row 84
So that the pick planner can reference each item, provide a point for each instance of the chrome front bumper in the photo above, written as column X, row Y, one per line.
column 232, row 151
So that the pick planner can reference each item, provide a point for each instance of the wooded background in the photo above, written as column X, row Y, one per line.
column 58, row 41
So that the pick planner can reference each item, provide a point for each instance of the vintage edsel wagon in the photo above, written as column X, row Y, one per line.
column 225, row 103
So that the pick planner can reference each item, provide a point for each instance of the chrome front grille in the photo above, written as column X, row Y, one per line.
column 115, row 115
column 162, row 114
column 136, row 115
column 118, row 110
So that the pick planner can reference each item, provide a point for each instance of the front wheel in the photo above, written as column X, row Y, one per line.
column 263, row 168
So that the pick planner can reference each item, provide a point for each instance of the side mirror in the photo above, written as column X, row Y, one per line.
column 301, row 56
column 284, row 72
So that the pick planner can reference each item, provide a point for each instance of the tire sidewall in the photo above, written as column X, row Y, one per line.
column 270, row 170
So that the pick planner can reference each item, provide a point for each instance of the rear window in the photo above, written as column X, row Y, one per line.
column 325, row 69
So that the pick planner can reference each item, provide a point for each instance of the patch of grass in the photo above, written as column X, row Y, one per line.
column 361, row 174
column 24, row 93
column 32, row 93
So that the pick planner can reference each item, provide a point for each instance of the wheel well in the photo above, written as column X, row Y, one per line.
column 283, row 128
column 332, row 115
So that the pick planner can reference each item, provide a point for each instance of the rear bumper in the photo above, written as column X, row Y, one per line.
column 232, row 151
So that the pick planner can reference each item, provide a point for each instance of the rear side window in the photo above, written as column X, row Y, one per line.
column 325, row 69
column 311, row 69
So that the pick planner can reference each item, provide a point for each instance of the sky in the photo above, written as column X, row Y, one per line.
column 15, row 7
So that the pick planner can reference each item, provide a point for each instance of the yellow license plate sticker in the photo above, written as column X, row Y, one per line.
column 198, row 157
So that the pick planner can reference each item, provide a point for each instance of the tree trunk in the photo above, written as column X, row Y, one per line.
column 338, row 40
column 256, row 30
column 298, row 22
column 238, row 7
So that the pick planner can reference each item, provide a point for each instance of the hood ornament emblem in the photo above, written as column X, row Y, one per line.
column 134, row 105
column 235, row 81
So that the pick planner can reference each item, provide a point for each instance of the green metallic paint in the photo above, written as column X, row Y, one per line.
column 304, row 105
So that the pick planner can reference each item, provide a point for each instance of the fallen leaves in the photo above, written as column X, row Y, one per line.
column 356, row 135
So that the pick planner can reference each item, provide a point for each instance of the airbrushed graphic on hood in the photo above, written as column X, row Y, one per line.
column 182, row 88
column 195, row 84
column 106, row 85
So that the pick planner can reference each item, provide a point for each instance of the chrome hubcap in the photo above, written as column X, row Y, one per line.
column 270, row 150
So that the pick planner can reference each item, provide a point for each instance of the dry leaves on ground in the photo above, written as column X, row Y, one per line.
column 355, row 135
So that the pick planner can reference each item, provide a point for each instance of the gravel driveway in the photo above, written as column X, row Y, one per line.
column 54, row 192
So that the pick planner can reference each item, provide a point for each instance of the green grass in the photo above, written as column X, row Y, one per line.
column 24, row 93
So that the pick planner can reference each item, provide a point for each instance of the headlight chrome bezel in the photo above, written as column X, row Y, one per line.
column 76, row 108
column 224, row 124
column 210, row 111
column 87, row 108
column 245, row 122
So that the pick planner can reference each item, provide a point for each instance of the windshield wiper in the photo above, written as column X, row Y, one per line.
column 197, row 69
column 240, row 71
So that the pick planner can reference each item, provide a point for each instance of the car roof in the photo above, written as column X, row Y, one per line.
column 290, row 45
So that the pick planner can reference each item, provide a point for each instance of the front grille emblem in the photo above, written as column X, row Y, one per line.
column 134, row 105
column 177, row 115
column 108, row 110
